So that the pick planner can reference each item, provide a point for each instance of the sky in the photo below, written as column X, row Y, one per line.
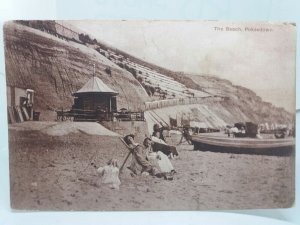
column 263, row 60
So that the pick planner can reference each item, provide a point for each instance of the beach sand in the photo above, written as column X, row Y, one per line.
column 55, row 173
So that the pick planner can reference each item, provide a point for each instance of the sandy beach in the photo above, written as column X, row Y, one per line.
column 51, row 172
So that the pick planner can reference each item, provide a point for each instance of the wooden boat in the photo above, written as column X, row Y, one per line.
column 217, row 143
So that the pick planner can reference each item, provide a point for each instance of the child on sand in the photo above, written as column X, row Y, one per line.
column 110, row 174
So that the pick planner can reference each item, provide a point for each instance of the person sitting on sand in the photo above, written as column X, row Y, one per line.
column 139, row 161
column 161, row 145
column 159, row 159
column 159, row 130
column 110, row 174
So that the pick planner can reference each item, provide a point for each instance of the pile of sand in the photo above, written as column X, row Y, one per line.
column 31, row 125
column 65, row 128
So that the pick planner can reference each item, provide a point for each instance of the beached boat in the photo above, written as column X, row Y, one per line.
column 218, row 143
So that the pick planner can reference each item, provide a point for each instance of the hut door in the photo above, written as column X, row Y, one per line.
column 113, row 104
column 88, row 104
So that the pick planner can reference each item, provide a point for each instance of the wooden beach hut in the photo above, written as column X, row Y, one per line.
column 94, row 101
column 19, row 104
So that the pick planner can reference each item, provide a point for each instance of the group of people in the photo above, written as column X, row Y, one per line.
column 235, row 132
column 146, row 160
column 152, row 157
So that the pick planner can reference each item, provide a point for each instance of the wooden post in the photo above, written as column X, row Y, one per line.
column 110, row 104
column 13, row 96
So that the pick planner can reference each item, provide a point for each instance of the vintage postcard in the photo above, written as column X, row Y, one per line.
column 150, row 115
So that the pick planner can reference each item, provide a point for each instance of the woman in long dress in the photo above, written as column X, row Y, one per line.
column 159, row 159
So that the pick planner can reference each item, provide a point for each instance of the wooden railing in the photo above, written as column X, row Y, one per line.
column 95, row 115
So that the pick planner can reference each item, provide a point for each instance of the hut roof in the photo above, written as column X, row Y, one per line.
column 95, row 85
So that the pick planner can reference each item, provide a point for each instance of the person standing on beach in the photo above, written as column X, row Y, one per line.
column 186, row 135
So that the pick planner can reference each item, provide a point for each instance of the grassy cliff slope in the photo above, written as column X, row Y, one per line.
column 56, row 68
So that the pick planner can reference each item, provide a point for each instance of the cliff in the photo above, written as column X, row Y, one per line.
column 55, row 66
column 241, row 102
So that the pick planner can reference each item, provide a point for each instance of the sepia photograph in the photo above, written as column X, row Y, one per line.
column 150, row 115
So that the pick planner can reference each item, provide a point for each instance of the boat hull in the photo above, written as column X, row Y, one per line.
column 280, row 147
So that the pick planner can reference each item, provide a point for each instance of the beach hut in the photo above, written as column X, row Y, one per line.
column 19, row 104
column 94, row 100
